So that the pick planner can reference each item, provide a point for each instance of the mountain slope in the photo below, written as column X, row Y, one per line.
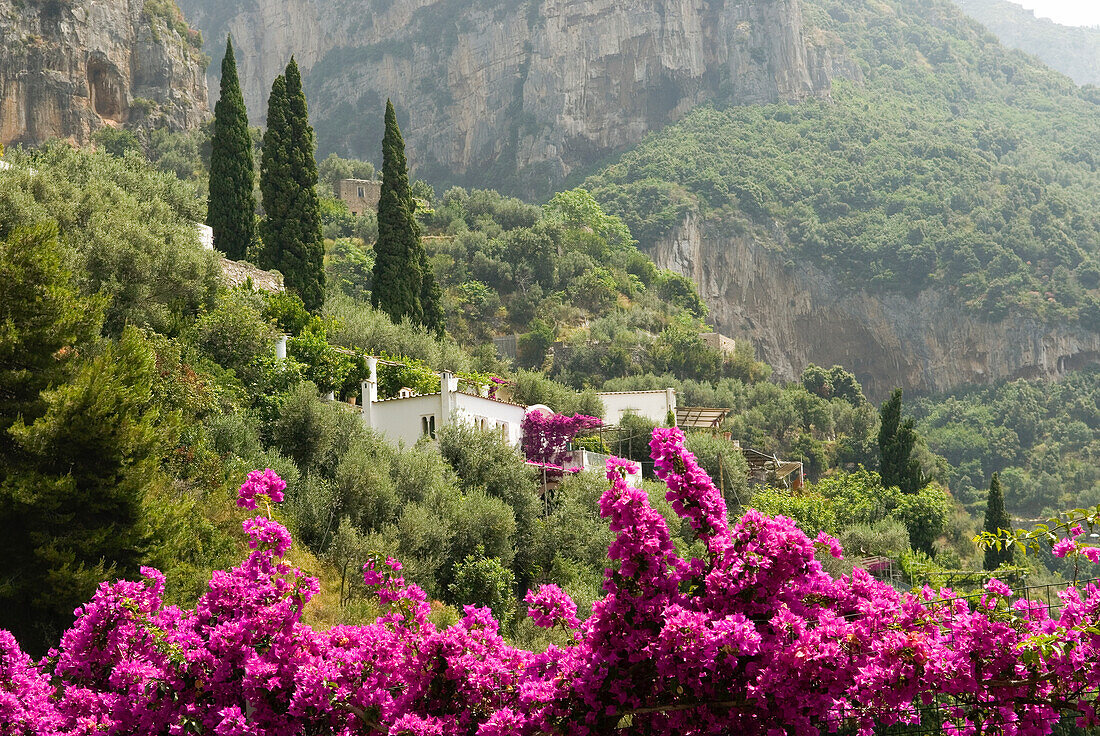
column 933, row 226
column 517, row 93
column 1073, row 51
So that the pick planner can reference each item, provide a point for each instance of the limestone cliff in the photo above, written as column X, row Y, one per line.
column 516, row 93
column 70, row 67
column 795, row 314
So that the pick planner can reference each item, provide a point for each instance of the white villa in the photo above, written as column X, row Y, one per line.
column 408, row 418
column 653, row 405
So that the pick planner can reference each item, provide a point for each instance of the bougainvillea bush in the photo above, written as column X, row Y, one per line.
column 752, row 637
column 546, row 436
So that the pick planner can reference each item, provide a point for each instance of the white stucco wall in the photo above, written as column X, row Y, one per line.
column 402, row 420
column 399, row 420
column 206, row 235
column 490, row 415
column 653, row 405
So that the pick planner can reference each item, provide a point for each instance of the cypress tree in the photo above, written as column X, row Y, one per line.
column 431, row 297
column 231, row 208
column 896, row 440
column 399, row 264
column 996, row 518
column 275, row 180
column 309, row 258
column 288, row 179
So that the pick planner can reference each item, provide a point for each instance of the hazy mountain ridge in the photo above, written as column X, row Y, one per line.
column 1074, row 51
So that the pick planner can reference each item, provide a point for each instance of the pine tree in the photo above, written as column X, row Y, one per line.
column 896, row 440
column 78, row 443
column 72, row 508
column 996, row 518
column 43, row 321
column 288, row 181
column 398, row 265
column 231, row 208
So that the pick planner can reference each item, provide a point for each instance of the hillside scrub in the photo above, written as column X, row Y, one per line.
column 130, row 231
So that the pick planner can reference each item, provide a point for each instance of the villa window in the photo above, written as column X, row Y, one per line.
column 427, row 426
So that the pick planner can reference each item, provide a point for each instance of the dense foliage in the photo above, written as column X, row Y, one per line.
column 952, row 164
column 231, row 206
column 128, row 231
column 1042, row 439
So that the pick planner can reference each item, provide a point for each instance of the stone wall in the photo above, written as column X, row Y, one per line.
column 360, row 195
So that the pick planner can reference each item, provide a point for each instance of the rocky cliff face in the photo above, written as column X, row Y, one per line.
column 516, row 93
column 794, row 315
column 68, row 68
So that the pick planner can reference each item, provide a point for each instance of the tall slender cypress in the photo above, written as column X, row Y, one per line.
column 896, row 440
column 309, row 258
column 275, row 180
column 996, row 518
column 288, row 179
column 398, row 269
column 231, row 208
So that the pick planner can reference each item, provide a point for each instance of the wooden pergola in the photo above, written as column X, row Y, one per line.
column 700, row 417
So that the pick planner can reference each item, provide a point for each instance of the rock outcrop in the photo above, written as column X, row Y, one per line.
column 795, row 314
column 70, row 67
column 516, row 93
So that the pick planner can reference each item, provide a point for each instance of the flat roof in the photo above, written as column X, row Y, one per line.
column 620, row 393
column 460, row 393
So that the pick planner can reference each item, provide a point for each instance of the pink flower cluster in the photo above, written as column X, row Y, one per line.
column 546, row 437
column 750, row 636
column 550, row 606
column 259, row 485
column 1070, row 546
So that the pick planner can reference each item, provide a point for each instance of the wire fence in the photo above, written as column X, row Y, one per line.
column 953, row 714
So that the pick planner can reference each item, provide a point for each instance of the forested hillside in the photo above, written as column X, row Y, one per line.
column 956, row 165
column 217, row 402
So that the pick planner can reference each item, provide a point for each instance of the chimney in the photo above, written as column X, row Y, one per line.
column 448, row 387
column 369, row 393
